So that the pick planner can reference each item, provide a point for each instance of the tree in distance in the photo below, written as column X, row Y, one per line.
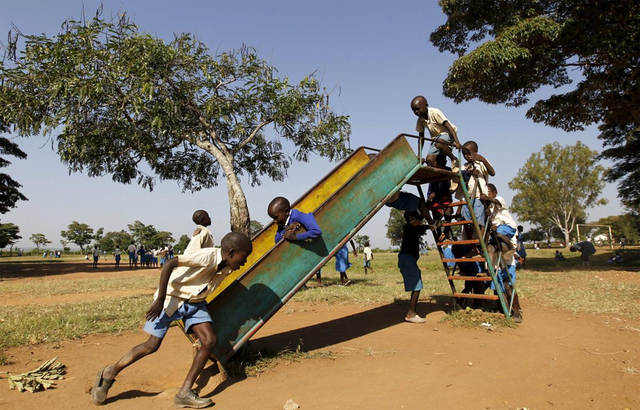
column 9, row 235
column 557, row 185
column 80, row 234
column 122, row 102
column 507, row 50
column 39, row 239
column 394, row 226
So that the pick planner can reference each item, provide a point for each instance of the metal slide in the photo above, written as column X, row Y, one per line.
column 342, row 203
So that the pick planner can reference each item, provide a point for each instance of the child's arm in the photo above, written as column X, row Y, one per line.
column 158, row 304
column 487, row 164
column 453, row 134
column 310, row 224
column 353, row 245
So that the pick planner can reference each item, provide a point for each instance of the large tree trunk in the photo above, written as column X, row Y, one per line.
column 238, row 209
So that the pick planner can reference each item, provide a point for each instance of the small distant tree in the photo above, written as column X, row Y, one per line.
column 361, row 240
column 80, row 234
column 112, row 239
column 9, row 235
column 394, row 226
column 162, row 238
column 97, row 236
column 557, row 185
column 623, row 226
column 141, row 233
column 9, row 193
column 65, row 245
column 182, row 244
column 254, row 228
column 39, row 240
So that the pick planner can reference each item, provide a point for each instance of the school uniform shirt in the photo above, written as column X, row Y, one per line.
column 306, row 220
column 410, row 244
column 117, row 252
column 191, row 278
column 201, row 238
column 500, row 215
column 367, row 253
column 434, row 123
column 96, row 252
column 132, row 248
column 475, row 185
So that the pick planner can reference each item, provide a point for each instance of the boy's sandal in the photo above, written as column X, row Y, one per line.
column 415, row 319
column 101, row 388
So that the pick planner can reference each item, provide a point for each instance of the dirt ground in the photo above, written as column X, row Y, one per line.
column 554, row 360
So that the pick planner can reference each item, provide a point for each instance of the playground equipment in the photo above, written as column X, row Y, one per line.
column 342, row 203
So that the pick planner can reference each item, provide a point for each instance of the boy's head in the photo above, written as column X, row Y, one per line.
column 235, row 248
column 278, row 210
column 413, row 217
column 520, row 228
column 493, row 191
column 201, row 217
column 366, row 243
column 419, row 106
column 469, row 147
column 441, row 161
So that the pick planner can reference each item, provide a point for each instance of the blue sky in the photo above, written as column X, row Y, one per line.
column 377, row 56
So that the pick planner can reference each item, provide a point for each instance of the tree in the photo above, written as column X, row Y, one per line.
column 141, row 233
column 160, row 239
column 254, row 228
column 124, row 102
column 394, row 226
column 9, row 193
column 112, row 239
column 65, row 244
column 39, row 240
column 361, row 240
column 182, row 244
column 98, row 236
column 557, row 185
column 509, row 49
column 9, row 235
column 80, row 234
column 623, row 226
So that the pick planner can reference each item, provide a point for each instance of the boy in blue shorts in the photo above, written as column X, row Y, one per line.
column 408, row 261
column 506, row 273
column 185, row 283
column 440, row 129
column 476, row 173
column 502, row 223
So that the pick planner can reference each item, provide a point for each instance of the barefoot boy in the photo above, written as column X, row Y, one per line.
column 185, row 283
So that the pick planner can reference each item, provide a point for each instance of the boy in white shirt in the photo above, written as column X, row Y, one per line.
column 185, row 283
column 368, row 256
column 502, row 223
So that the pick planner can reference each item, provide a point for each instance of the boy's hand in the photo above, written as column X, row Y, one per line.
column 155, row 310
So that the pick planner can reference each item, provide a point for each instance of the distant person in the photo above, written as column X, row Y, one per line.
column 116, row 256
column 141, row 253
column 133, row 263
column 185, row 283
column 293, row 225
column 201, row 237
column 408, row 261
column 586, row 249
column 559, row 256
column 342, row 262
column 520, row 248
column 367, row 258
column 96, row 256
column 623, row 242
column 616, row 259
column 440, row 129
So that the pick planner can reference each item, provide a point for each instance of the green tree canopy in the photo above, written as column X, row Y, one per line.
column 508, row 49
column 39, row 239
column 141, row 233
column 556, row 186
column 112, row 239
column 124, row 102
column 9, row 235
column 623, row 226
column 9, row 193
column 182, row 244
column 394, row 226
column 361, row 240
column 80, row 234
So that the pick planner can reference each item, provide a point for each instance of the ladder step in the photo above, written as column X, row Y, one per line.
column 451, row 205
column 465, row 242
column 477, row 259
column 457, row 223
column 475, row 296
column 472, row 278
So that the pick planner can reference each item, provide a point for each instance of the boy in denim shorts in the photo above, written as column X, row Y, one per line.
column 185, row 283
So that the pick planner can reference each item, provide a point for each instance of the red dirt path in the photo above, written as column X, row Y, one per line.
column 554, row 360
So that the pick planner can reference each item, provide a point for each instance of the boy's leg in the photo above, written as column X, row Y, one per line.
column 413, row 304
column 208, row 339
column 107, row 375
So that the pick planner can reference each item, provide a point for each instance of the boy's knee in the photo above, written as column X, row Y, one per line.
column 152, row 344
column 209, row 341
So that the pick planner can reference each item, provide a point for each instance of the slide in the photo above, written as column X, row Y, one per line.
column 342, row 203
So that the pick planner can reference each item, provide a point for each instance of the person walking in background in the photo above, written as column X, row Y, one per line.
column 368, row 257
column 133, row 263
column 96, row 256
column 116, row 256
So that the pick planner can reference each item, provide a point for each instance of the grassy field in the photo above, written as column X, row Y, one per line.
column 563, row 285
